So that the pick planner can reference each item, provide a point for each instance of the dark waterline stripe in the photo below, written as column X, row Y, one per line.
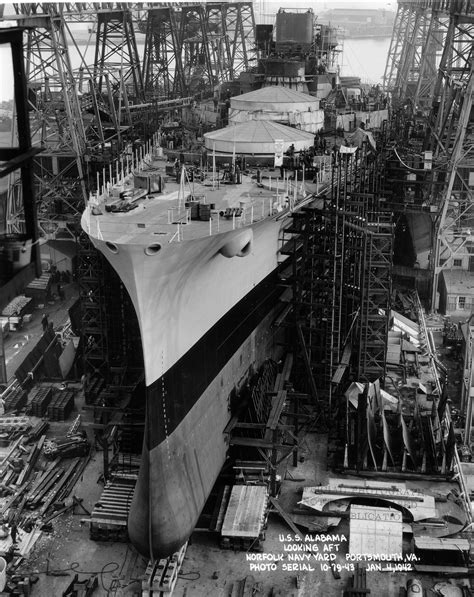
column 184, row 383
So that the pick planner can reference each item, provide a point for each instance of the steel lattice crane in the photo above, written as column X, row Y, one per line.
column 55, row 119
column 429, row 72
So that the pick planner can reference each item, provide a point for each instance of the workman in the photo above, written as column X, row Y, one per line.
column 13, row 531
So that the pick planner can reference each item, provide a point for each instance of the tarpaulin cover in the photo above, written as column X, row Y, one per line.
column 256, row 137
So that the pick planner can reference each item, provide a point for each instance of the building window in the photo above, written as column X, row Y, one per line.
column 461, row 302
column 457, row 262
column 442, row 261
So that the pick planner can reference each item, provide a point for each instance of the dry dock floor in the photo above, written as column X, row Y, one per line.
column 208, row 570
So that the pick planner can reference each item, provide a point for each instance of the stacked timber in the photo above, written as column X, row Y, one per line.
column 61, row 406
column 245, row 519
column 16, row 400
column 109, row 517
column 161, row 575
column 39, row 288
column 358, row 583
column 40, row 399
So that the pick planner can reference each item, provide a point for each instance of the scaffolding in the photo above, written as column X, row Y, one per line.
column 340, row 260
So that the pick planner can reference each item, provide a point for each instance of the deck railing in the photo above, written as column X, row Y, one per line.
column 286, row 195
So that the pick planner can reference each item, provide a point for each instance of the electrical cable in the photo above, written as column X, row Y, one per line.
column 185, row 575
column 405, row 165
column 74, row 567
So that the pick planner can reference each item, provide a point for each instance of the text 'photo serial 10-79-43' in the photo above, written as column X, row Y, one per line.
column 237, row 298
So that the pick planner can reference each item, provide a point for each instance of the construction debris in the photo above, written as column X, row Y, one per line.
column 83, row 588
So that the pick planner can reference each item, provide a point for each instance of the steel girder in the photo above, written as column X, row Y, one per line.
column 55, row 120
column 240, row 33
column 406, row 46
column 163, row 74
column 419, row 36
column 455, row 220
column 450, row 139
column 116, row 60
column 401, row 28
column 194, row 47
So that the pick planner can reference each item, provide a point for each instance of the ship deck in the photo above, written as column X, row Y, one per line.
column 146, row 217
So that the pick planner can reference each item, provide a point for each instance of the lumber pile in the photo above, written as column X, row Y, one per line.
column 40, row 397
column 358, row 583
column 61, row 405
column 161, row 575
column 109, row 517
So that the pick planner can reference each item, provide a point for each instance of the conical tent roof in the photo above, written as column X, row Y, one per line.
column 275, row 98
column 256, row 137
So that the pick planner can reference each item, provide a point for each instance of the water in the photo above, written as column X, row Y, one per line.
column 364, row 58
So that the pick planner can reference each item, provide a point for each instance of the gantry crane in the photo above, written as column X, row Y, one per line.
column 429, row 71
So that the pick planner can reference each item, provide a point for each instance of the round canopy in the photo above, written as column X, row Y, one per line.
column 275, row 99
column 256, row 137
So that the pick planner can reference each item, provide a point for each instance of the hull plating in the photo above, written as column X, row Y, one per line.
column 177, row 475
column 198, row 303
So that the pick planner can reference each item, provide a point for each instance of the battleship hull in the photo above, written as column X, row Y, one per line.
column 205, row 309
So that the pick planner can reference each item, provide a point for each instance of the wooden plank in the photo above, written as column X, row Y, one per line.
column 222, row 509
column 256, row 443
column 285, row 516
column 275, row 413
column 245, row 511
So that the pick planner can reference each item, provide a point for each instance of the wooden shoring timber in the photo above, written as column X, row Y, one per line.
column 13, row 498
column 276, row 504
column 10, row 451
column 74, row 478
column 51, row 496
column 31, row 461
column 284, row 376
column 278, row 403
column 52, row 480
column 42, row 479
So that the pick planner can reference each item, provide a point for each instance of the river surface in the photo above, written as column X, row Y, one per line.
column 364, row 58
